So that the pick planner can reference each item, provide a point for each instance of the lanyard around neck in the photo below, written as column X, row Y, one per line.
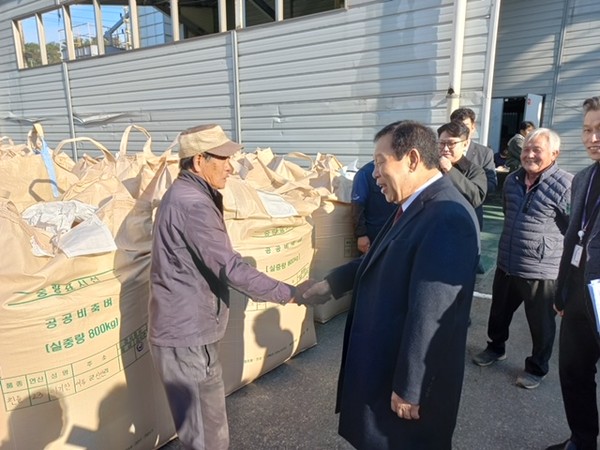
column 585, row 221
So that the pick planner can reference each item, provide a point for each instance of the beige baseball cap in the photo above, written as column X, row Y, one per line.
column 206, row 139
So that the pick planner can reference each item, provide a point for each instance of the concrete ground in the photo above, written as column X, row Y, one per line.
column 292, row 407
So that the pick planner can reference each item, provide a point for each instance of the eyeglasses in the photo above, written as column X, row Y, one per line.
column 449, row 144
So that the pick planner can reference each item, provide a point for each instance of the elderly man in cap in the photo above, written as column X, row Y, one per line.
column 193, row 264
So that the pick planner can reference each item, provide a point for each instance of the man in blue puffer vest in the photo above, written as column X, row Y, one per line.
column 536, row 202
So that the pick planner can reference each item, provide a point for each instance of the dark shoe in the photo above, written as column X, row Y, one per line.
column 567, row 445
column 529, row 381
column 488, row 357
column 480, row 269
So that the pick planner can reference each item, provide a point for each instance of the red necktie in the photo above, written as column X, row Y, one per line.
column 398, row 215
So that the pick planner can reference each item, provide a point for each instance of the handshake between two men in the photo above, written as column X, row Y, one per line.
column 312, row 292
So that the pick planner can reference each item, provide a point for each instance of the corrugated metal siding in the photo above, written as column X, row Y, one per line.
column 12, row 9
column 39, row 95
column 578, row 79
column 329, row 87
column 528, row 37
column 474, row 59
column 529, row 54
column 34, row 94
column 164, row 89
column 7, row 68
column 323, row 83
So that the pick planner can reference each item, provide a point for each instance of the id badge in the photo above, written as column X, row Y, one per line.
column 577, row 252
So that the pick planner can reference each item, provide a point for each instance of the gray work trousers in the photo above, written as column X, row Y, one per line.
column 192, row 377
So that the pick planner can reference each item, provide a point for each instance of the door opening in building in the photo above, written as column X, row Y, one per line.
column 507, row 115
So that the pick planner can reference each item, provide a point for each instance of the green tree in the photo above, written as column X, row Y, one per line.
column 32, row 54
column 54, row 54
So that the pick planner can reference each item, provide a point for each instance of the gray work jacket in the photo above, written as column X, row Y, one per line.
column 193, row 263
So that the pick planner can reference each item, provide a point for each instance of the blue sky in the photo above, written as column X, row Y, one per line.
column 82, row 17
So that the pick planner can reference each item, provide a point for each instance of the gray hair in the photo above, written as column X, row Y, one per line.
column 552, row 136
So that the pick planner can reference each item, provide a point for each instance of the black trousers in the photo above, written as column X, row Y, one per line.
column 508, row 292
column 578, row 354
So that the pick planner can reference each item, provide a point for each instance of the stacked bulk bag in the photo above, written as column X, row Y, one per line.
column 335, row 243
column 31, row 173
column 267, row 221
column 333, row 233
column 75, row 366
column 74, row 359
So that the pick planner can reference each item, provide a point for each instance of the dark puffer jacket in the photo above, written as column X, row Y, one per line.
column 531, row 243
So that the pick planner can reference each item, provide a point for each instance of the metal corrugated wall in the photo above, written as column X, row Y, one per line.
column 330, row 86
column 551, row 48
column 321, row 83
column 528, row 38
column 36, row 94
column 164, row 89
column 579, row 79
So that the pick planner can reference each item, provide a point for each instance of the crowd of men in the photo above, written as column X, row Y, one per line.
column 418, row 219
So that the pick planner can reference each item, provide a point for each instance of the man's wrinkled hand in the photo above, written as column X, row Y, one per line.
column 560, row 312
column 445, row 164
column 363, row 243
column 311, row 292
column 404, row 409
column 301, row 289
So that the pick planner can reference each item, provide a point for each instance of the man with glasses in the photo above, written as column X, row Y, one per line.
column 468, row 177
column 193, row 263
column 479, row 154
column 579, row 343
column 536, row 214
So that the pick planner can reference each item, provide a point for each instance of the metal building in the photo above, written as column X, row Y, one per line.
column 296, row 75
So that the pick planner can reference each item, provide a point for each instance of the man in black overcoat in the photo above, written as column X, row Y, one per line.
column 404, row 345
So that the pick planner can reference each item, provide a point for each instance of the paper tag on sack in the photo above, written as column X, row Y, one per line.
column 276, row 206
column 90, row 237
column 342, row 183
